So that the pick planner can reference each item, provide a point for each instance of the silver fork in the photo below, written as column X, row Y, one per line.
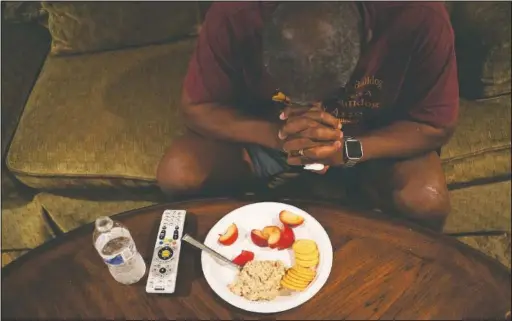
column 190, row 240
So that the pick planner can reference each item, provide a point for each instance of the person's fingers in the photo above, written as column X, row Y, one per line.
column 317, row 105
column 299, row 143
column 315, row 154
column 308, row 128
column 296, row 125
column 322, row 152
column 324, row 118
column 291, row 111
column 322, row 133
column 294, row 110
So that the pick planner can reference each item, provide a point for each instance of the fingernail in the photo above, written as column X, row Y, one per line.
column 282, row 116
column 341, row 135
column 337, row 144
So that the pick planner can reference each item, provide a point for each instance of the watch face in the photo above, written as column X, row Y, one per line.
column 353, row 149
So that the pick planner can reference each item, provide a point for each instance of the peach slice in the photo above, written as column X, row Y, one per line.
column 230, row 236
column 258, row 238
column 291, row 219
column 273, row 239
column 268, row 230
column 287, row 238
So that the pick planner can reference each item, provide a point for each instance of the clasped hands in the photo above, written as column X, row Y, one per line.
column 310, row 135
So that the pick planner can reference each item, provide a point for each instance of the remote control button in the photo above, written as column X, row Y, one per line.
column 175, row 236
column 161, row 242
column 162, row 270
column 165, row 253
column 164, row 227
column 176, row 227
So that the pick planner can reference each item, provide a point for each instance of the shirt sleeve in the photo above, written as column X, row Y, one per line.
column 432, row 88
column 213, row 66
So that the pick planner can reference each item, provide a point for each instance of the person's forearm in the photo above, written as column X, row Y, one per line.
column 227, row 123
column 403, row 139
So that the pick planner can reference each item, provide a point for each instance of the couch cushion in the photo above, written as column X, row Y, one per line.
column 24, row 48
column 480, row 147
column 118, row 122
column 24, row 226
column 497, row 247
column 79, row 27
column 9, row 256
column 14, row 193
column 101, row 119
column 478, row 208
column 69, row 213
column 482, row 30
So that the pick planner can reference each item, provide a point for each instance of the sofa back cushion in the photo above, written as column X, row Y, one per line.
column 482, row 33
column 101, row 120
column 78, row 27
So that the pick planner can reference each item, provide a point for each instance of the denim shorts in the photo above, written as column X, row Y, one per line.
column 267, row 162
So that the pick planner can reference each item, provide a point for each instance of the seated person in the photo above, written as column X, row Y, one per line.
column 374, row 96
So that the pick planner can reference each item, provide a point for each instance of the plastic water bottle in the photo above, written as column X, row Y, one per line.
column 116, row 247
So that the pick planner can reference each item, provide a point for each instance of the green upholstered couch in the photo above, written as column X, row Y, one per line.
column 90, row 102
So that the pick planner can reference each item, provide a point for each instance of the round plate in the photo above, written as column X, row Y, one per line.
column 257, row 216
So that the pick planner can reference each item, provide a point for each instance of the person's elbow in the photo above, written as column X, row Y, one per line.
column 442, row 133
column 191, row 113
column 197, row 117
column 436, row 133
column 448, row 124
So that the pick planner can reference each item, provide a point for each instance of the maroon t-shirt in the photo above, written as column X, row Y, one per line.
column 407, row 71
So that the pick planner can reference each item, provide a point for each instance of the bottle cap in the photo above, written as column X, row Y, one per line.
column 104, row 224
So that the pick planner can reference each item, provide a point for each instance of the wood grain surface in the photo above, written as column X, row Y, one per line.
column 382, row 270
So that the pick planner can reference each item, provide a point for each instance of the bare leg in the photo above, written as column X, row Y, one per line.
column 194, row 164
column 414, row 188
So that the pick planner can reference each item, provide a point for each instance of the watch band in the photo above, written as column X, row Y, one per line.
column 350, row 163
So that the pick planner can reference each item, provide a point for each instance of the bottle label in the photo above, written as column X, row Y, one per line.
column 122, row 257
column 109, row 245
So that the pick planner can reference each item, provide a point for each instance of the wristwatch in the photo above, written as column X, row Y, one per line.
column 352, row 151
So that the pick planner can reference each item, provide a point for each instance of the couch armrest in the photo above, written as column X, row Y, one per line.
column 24, row 49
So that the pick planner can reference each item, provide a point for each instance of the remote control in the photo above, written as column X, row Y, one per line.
column 166, row 256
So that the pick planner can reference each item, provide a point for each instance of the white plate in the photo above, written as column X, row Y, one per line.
column 257, row 216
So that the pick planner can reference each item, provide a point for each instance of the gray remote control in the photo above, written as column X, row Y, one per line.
column 166, row 255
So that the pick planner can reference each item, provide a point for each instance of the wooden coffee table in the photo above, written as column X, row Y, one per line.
column 382, row 269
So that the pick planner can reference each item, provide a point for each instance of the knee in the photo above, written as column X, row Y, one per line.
column 180, row 173
column 427, row 204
